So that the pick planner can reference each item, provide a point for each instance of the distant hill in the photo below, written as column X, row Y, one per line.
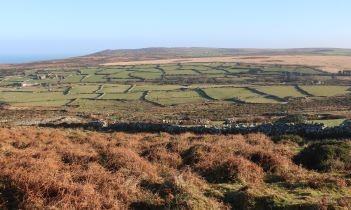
column 210, row 52
column 125, row 55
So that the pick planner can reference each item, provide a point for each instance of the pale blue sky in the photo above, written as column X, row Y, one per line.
column 74, row 27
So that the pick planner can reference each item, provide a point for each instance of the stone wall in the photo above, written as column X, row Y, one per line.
column 308, row 130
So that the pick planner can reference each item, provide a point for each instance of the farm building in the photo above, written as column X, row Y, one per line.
column 347, row 72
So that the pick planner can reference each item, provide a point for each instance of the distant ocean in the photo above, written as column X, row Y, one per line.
column 28, row 58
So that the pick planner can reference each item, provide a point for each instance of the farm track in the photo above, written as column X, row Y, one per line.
column 302, row 91
column 265, row 95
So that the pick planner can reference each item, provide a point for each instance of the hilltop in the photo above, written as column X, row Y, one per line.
column 147, row 54
column 189, row 52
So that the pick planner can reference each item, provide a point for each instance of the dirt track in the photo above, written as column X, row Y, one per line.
column 327, row 63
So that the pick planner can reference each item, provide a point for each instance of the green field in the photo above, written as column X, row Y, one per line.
column 73, row 79
column 83, row 89
column 147, row 75
column 242, row 94
column 92, row 78
column 122, row 96
column 138, row 88
column 329, row 123
column 280, row 91
column 175, row 97
column 327, row 90
column 108, row 88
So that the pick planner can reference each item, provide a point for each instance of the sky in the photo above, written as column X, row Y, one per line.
column 60, row 28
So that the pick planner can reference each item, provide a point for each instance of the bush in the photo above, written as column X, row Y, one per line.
column 297, row 119
column 326, row 156
column 287, row 138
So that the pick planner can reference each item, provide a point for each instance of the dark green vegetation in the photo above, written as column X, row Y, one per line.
column 326, row 156
column 43, row 168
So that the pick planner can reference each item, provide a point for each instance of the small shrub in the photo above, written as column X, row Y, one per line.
column 195, row 153
column 159, row 154
column 230, row 169
column 289, row 138
column 296, row 118
column 326, row 156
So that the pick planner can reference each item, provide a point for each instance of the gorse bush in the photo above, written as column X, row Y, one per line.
column 326, row 156
column 296, row 118
column 289, row 138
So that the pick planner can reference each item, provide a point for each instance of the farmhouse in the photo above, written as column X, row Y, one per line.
column 347, row 72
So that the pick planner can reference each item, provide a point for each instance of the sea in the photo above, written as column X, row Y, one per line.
column 16, row 59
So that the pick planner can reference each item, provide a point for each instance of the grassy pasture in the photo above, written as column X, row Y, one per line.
column 112, row 71
column 329, row 123
column 291, row 69
column 73, row 79
column 325, row 91
column 210, row 71
column 236, row 70
column 42, row 81
column 51, row 103
column 147, row 75
column 223, row 93
column 26, row 89
column 280, row 91
column 243, row 94
column 140, row 67
column 151, row 70
column 113, row 88
column 181, row 72
column 83, row 89
column 197, row 67
column 121, row 75
column 175, row 97
column 139, row 88
column 123, row 96
column 92, row 78
column 22, row 98
column 88, row 71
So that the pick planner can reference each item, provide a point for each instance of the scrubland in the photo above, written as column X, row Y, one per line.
column 44, row 168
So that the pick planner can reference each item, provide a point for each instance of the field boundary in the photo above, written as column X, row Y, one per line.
column 302, row 91
column 204, row 95
column 144, row 98
column 265, row 95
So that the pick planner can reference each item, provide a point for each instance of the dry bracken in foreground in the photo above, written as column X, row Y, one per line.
column 75, row 169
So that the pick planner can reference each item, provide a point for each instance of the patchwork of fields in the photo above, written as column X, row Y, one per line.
column 166, row 85
column 163, row 96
